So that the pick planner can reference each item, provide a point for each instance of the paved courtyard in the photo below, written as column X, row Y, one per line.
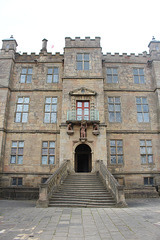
column 22, row 220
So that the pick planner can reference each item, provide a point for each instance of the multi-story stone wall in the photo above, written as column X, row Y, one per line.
column 122, row 96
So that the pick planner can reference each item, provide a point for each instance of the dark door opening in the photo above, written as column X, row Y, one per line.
column 83, row 158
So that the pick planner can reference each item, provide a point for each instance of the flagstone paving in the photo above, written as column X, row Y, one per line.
column 22, row 220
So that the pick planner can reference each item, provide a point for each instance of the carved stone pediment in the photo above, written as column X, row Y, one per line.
column 82, row 92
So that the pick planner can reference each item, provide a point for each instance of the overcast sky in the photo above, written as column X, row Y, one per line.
column 123, row 25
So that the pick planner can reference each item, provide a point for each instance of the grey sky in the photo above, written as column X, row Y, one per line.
column 123, row 25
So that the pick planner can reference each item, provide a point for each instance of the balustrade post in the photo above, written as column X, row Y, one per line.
column 43, row 196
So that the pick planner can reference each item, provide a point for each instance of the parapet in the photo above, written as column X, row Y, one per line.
column 82, row 43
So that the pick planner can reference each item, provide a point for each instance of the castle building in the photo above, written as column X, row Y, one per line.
column 81, row 106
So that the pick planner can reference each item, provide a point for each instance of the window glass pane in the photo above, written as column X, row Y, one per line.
column 143, row 159
column 138, row 100
column 112, row 143
column 149, row 150
column 13, row 151
column 115, row 79
column 54, row 100
column 145, row 108
column 50, row 70
column 55, row 70
column 14, row 181
column 79, row 118
column 18, row 117
column 141, row 72
column 146, row 117
column 136, row 79
column 79, row 111
column 117, row 100
column 21, row 144
column 109, row 71
column 143, row 150
column 86, row 104
column 47, row 108
column 48, row 100
column 111, row 116
column 119, row 142
column 109, row 78
column 86, row 117
column 79, row 104
column 19, row 181
column 86, row 111
column 52, row 144
column 49, row 78
column 118, row 117
column 115, row 71
column 26, row 100
column 142, row 142
column 20, row 100
column 140, row 117
column 139, row 108
column 120, row 159
column 117, row 107
column 113, row 150
column 44, row 159
column 110, row 100
column 86, row 65
column 25, row 108
column 119, row 150
column 111, row 107
column 151, row 180
column 13, row 159
column 29, row 79
column 86, row 57
column 142, row 79
column 135, row 71
column 47, row 118
column 20, row 151
column 14, row 144
column 113, row 159
column 149, row 143
column 29, row 70
column 20, row 160
column 24, row 117
column 23, row 78
column 51, row 151
column 19, row 108
column 79, row 57
column 45, row 144
column 55, row 78
column 54, row 108
column 51, row 159
column 53, row 117
column 150, row 158
column 44, row 151
column 79, row 66
column 145, row 181
column 144, row 100
column 24, row 70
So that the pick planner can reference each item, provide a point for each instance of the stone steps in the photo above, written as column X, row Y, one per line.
column 82, row 190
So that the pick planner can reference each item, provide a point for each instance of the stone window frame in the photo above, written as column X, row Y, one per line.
column 26, row 75
column 17, row 181
column 17, row 151
column 81, row 62
column 116, row 153
column 111, row 74
column 138, row 75
column 52, row 110
column 112, row 111
column 146, row 151
column 52, row 75
column 47, row 152
column 148, row 181
column 142, row 109
column 22, row 109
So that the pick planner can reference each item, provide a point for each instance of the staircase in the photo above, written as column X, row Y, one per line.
column 82, row 190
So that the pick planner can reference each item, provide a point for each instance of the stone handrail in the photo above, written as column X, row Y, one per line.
column 111, row 183
column 46, row 189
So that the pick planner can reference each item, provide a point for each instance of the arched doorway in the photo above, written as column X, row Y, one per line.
column 83, row 161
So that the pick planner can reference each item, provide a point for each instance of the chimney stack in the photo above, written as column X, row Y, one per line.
column 44, row 45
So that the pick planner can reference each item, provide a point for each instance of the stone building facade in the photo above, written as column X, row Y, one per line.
column 81, row 106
